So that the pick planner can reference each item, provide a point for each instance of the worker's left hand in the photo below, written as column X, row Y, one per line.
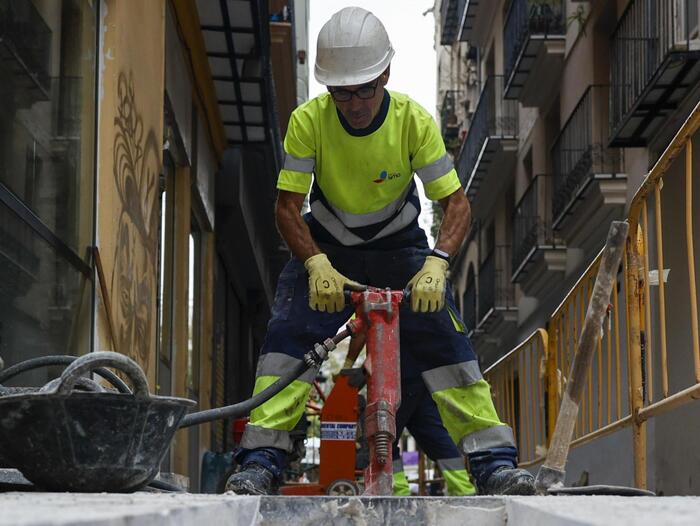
column 428, row 286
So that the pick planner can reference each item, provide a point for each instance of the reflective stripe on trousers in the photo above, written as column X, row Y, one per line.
column 463, row 399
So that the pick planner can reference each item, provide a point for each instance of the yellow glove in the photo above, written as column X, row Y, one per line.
column 326, row 285
column 428, row 286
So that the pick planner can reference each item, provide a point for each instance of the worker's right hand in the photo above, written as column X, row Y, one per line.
column 326, row 285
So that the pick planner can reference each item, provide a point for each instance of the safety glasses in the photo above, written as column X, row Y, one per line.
column 363, row 92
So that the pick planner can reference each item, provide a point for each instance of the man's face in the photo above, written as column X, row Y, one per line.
column 359, row 104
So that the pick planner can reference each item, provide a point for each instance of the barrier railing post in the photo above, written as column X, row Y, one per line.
column 552, row 379
column 635, row 285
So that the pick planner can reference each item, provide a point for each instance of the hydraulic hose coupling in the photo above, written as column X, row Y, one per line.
column 316, row 356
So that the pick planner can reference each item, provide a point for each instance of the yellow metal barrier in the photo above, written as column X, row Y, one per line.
column 629, row 381
column 602, row 409
column 520, row 393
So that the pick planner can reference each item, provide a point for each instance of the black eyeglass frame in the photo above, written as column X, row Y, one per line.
column 372, row 90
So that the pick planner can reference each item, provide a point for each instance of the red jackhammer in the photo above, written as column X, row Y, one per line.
column 377, row 315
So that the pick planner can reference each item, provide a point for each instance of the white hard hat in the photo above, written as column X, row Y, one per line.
column 352, row 48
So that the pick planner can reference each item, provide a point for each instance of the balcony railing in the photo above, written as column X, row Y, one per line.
column 527, row 21
column 494, row 119
column 25, row 44
column 532, row 226
column 451, row 16
column 654, row 62
column 495, row 289
column 448, row 116
column 580, row 151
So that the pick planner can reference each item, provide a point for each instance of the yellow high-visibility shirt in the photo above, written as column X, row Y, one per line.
column 364, row 188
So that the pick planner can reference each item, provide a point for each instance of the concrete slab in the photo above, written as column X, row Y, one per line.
column 603, row 511
column 151, row 509
column 390, row 511
column 136, row 509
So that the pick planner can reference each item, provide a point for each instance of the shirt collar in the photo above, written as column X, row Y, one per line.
column 374, row 125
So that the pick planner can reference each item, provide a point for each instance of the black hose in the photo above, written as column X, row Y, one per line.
column 244, row 407
column 45, row 361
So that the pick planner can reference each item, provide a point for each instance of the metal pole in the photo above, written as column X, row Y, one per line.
column 635, row 286
column 553, row 471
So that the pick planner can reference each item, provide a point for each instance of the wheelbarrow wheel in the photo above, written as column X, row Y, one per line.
column 342, row 488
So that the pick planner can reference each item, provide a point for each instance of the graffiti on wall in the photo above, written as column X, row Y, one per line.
column 136, row 169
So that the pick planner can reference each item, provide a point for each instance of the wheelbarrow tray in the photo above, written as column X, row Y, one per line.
column 88, row 442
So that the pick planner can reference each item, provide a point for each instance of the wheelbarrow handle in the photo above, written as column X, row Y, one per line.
column 46, row 361
column 90, row 361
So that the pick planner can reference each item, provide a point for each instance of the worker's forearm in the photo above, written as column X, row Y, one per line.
column 296, row 233
column 357, row 342
column 455, row 223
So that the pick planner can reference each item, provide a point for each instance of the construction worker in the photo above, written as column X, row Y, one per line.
column 357, row 149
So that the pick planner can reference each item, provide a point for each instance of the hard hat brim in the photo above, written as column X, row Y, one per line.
column 352, row 78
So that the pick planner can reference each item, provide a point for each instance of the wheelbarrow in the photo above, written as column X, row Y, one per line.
column 74, row 435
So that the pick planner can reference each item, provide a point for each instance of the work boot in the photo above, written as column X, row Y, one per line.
column 509, row 481
column 253, row 479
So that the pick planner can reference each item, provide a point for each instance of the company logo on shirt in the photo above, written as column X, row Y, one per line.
column 384, row 176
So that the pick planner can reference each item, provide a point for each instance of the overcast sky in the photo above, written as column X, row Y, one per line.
column 413, row 69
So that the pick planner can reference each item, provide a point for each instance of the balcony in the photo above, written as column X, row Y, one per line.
column 492, row 141
column 477, row 21
column 496, row 298
column 533, row 49
column 654, row 62
column 588, row 188
column 451, row 12
column 449, row 121
column 25, row 50
column 537, row 253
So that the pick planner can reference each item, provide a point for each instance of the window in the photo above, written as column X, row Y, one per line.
column 686, row 21
column 193, row 311
column 165, row 275
column 47, row 133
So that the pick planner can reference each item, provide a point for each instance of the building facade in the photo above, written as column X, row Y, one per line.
column 139, row 148
column 576, row 102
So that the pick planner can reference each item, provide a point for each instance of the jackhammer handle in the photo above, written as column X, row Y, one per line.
column 406, row 294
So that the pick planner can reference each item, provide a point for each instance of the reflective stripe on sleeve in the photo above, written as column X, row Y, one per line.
column 435, row 169
column 448, row 376
column 487, row 438
column 299, row 164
